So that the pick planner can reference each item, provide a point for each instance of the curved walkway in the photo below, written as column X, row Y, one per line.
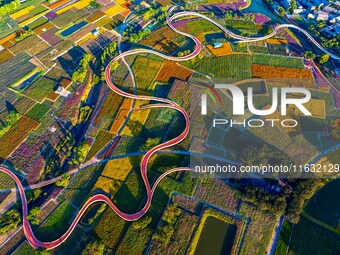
column 162, row 103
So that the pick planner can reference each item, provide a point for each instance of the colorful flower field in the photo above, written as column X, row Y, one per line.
column 171, row 70
column 217, row 192
column 18, row 132
column 264, row 71
column 109, row 107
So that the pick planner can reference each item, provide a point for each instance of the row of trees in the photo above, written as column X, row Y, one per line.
column 9, row 7
column 291, row 199
column 9, row 220
column 321, row 60
column 165, row 231
column 108, row 51
column 80, row 74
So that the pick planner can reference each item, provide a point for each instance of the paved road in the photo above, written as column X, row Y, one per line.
column 162, row 103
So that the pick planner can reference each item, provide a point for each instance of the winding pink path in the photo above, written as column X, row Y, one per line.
column 143, row 166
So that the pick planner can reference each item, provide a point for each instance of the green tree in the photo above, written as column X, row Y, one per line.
column 33, row 214
column 293, row 5
column 94, row 248
column 33, row 194
column 323, row 58
column 150, row 143
column 9, row 220
column 94, row 5
column 65, row 178
column 142, row 223
column 309, row 54
column 281, row 11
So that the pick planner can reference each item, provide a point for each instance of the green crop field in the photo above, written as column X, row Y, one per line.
column 311, row 238
column 38, row 111
column 232, row 66
column 277, row 61
column 145, row 70
column 15, row 68
column 41, row 88
column 57, row 223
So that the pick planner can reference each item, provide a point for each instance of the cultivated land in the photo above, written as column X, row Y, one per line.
column 72, row 128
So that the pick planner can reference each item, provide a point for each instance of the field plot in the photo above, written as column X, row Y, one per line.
column 113, row 174
column 222, row 51
column 302, row 149
column 259, row 230
column 232, row 66
column 145, row 79
column 22, row 12
column 183, row 228
column 57, row 223
column 258, row 49
column 265, row 71
column 277, row 49
column 208, row 188
column 80, row 185
column 114, row 10
column 43, row 28
column 41, row 88
column 277, row 61
column 323, row 207
column 171, row 70
column 72, row 29
column 32, row 45
column 16, row 135
column 95, row 16
column 38, row 111
column 136, row 120
column 109, row 108
column 276, row 41
column 77, row 36
column 50, row 37
column 102, row 139
column 39, row 22
column 200, row 26
column 5, row 55
column 310, row 238
column 23, row 104
column 316, row 107
column 68, row 17
column 15, row 68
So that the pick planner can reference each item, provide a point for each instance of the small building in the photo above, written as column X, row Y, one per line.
column 335, row 20
column 217, row 45
column 330, row 10
column 62, row 91
column 337, row 4
column 310, row 16
column 331, row 31
column 322, row 16
column 95, row 32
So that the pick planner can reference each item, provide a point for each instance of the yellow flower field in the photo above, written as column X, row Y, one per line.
column 79, row 5
column 317, row 107
column 137, row 119
column 114, row 10
column 276, row 41
column 21, row 12
column 117, row 169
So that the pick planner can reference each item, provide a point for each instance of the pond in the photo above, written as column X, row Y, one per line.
column 28, row 81
column 216, row 238
column 325, row 204
column 74, row 28
column 258, row 6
